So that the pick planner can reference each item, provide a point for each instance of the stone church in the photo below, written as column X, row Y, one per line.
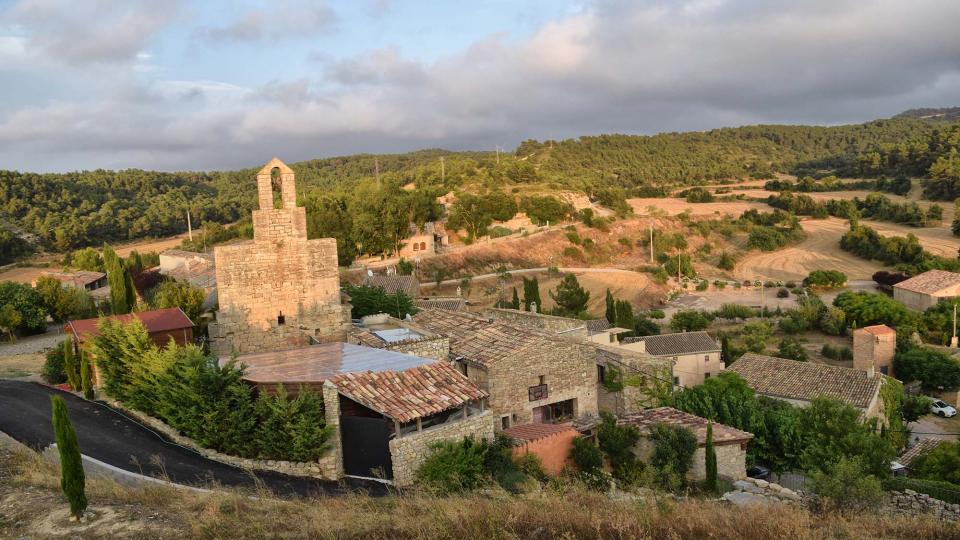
column 281, row 290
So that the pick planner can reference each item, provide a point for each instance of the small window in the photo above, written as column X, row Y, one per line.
column 676, row 381
column 706, row 375
column 504, row 422
column 423, row 246
column 543, row 380
column 884, row 370
column 706, row 358
column 601, row 373
column 416, row 246
column 281, row 320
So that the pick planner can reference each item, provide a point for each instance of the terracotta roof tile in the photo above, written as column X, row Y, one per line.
column 930, row 282
column 645, row 419
column 677, row 344
column 391, row 284
column 805, row 381
column 449, row 303
column 922, row 446
column 480, row 340
column 533, row 432
column 158, row 320
column 879, row 329
column 409, row 394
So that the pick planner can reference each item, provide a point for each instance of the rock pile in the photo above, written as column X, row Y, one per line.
column 911, row 503
column 752, row 491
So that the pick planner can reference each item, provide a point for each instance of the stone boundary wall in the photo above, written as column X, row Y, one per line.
column 410, row 451
column 911, row 503
column 571, row 328
column 434, row 347
column 753, row 491
column 325, row 468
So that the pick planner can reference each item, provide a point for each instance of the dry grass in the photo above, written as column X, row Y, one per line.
column 21, row 365
column 168, row 513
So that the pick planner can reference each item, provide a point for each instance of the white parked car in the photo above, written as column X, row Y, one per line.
column 940, row 408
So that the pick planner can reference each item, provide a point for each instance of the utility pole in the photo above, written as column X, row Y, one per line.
column 498, row 155
column 679, row 253
column 953, row 340
column 762, row 304
column 651, row 242
column 189, row 226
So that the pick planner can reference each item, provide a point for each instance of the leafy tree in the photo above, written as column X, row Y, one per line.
column 53, row 370
column 26, row 302
column 939, row 463
column 86, row 259
column 570, row 297
column 690, row 320
column 915, row 407
column 832, row 430
column 471, row 213
column 617, row 443
column 585, row 455
column 178, row 294
column 710, row 460
column 368, row 300
column 755, row 335
column 72, row 480
column 848, row 485
column 643, row 326
column 546, row 209
column 10, row 320
column 932, row 368
column 864, row 309
column 791, row 348
column 825, row 278
column 673, row 449
column 531, row 293
column 404, row 267
column 64, row 303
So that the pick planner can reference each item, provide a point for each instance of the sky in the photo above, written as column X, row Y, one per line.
column 181, row 85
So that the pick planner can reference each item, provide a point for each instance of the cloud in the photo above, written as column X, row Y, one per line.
column 628, row 67
column 90, row 31
column 286, row 19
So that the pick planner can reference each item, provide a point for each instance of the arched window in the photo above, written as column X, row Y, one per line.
column 423, row 246
column 277, row 186
column 416, row 246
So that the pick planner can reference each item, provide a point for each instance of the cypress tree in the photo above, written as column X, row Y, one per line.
column 531, row 294
column 725, row 350
column 70, row 364
column 130, row 290
column 516, row 299
column 86, row 376
column 72, row 479
column 610, row 314
column 710, row 459
column 116, row 277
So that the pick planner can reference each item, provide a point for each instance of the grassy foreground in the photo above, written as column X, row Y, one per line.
column 32, row 507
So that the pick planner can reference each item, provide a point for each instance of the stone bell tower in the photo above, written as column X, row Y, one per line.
column 281, row 289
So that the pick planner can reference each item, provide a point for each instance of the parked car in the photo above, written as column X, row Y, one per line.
column 758, row 471
column 939, row 408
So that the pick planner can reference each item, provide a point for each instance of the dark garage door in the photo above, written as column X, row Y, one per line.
column 365, row 446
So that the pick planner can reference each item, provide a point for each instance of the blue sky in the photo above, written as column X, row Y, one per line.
column 175, row 84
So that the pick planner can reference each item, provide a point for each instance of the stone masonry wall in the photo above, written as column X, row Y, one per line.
column 328, row 467
column 569, row 371
column 731, row 462
column 572, row 328
column 642, row 375
column 231, row 333
column 410, row 451
column 870, row 350
column 428, row 347
column 911, row 503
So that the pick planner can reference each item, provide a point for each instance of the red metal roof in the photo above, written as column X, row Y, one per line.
column 533, row 432
column 158, row 320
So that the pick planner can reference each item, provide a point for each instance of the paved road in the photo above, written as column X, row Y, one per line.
column 112, row 438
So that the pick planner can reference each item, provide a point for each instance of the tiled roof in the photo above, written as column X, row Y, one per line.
column 480, row 340
column 597, row 325
column 533, row 432
column 923, row 445
column 449, row 303
column 805, row 381
column 183, row 254
column 391, row 284
column 367, row 338
column 81, row 278
column 930, row 282
column 158, row 320
column 677, row 344
column 409, row 394
column 722, row 433
column 319, row 363
column 879, row 330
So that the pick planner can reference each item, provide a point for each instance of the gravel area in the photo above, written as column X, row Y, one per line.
column 34, row 344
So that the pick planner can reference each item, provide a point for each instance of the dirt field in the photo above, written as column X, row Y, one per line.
column 147, row 246
column 821, row 251
column 672, row 207
column 22, row 275
column 21, row 365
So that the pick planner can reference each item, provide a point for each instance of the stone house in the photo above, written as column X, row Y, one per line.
column 197, row 269
column 730, row 444
column 874, row 348
column 901, row 466
column 927, row 289
column 530, row 376
column 382, row 331
column 388, row 408
column 281, row 290
column 598, row 331
column 799, row 383
column 695, row 355
column 425, row 241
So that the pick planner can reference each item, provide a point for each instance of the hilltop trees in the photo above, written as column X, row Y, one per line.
column 368, row 300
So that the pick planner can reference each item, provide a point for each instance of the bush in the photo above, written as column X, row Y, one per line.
column 791, row 348
column 499, row 232
column 847, row 486
column 735, row 311
column 726, row 262
column 673, row 449
column 944, row 491
column 574, row 238
column 573, row 253
column 825, row 278
column 783, row 293
column 703, row 285
column 690, row 320
column 586, row 456
column 454, row 467
column 53, row 370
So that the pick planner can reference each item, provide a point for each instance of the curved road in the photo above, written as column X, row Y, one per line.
column 110, row 437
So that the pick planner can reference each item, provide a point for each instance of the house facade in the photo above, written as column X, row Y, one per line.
column 695, row 355
column 874, row 348
column 927, row 289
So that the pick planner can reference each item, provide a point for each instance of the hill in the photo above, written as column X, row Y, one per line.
column 937, row 114
column 71, row 210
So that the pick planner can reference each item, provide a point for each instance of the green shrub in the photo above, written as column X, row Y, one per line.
column 703, row 285
column 726, row 262
column 454, row 467
column 710, row 460
column 372, row 300
column 673, row 449
column 573, row 253
column 499, row 232
column 735, row 311
column 574, row 238
column 825, row 278
column 783, row 293
column 847, row 486
column 944, row 491
column 586, row 456
column 86, row 376
column 53, row 370
column 791, row 348
column 656, row 314
column 625, row 242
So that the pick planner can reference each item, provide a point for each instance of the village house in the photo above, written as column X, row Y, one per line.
column 927, row 289
column 281, row 290
column 874, row 348
column 730, row 444
column 902, row 466
column 382, row 331
column 93, row 282
column 799, row 383
column 598, row 331
column 449, row 303
column 388, row 408
column 695, row 355
column 162, row 325
column 425, row 241
column 551, row 443
column 196, row 269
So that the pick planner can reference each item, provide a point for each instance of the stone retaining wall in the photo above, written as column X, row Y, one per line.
column 752, row 491
column 911, row 503
column 326, row 468
column 410, row 451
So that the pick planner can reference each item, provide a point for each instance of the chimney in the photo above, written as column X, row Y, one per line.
column 870, row 371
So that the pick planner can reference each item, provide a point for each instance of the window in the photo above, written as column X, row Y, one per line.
column 281, row 320
column 884, row 370
column 416, row 246
column 504, row 422
column 423, row 246
column 676, row 381
column 560, row 411
column 536, row 393
column 543, row 380
column 601, row 373
column 706, row 375
column 706, row 358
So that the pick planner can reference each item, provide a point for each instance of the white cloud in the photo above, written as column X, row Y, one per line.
column 278, row 20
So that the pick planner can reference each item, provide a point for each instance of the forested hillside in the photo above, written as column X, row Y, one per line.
column 365, row 193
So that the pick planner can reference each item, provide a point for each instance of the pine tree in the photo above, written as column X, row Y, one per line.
column 516, row 299
column 710, row 460
column 570, row 297
column 70, row 364
column 86, row 376
column 610, row 314
column 72, row 479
